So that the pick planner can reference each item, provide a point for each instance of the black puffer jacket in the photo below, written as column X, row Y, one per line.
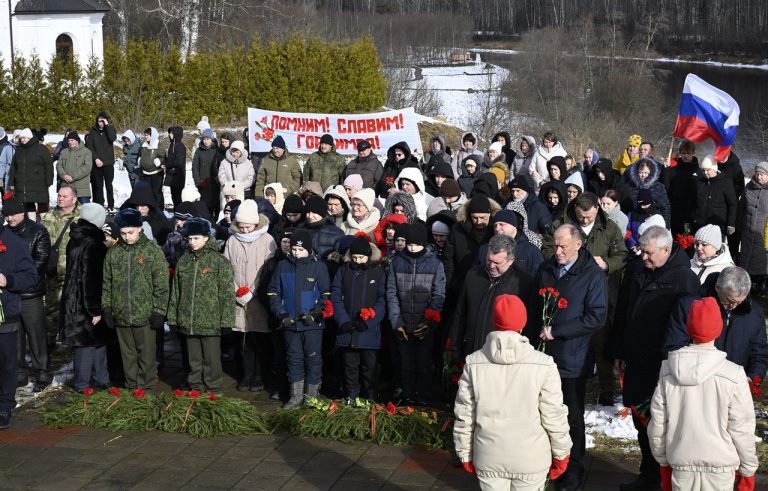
column 31, row 172
column 176, row 159
column 39, row 242
column 473, row 318
column 99, row 141
column 646, row 301
column 81, row 295
column 325, row 236
column 715, row 202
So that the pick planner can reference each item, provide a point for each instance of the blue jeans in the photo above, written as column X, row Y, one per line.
column 303, row 355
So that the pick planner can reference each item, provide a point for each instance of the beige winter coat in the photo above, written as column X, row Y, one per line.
column 248, row 259
column 510, row 416
column 702, row 416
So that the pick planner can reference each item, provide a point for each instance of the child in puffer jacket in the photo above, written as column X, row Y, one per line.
column 415, row 296
column 298, row 297
column 359, row 305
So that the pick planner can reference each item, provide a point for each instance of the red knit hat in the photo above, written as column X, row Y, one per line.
column 704, row 320
column 509, row 313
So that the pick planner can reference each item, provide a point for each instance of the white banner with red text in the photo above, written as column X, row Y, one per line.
column 302, row 131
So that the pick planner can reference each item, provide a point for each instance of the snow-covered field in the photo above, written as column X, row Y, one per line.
column 463, row 89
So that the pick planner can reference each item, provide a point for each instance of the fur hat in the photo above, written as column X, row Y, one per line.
column 710, row 234
column 93, row 213
column 509, row 313
column 366, row 195
column 705, row 323
column 196, row 226
column 129, row 217
column 248, row 212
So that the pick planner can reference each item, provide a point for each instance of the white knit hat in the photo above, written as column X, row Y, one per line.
column 710, row 234
column 248, row 212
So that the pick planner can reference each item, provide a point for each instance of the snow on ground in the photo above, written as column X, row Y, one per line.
column 607, row 421
column 462, row 89
column 63, row 374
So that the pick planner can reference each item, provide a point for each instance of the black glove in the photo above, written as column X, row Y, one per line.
column 286, row 321
column 109, row 321
column 156, row 322
column 422, row 329
column 347, row 327
column 361, row 326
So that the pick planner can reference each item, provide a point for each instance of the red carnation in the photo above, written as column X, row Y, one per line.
column 562, row 303
column 327, row 309
column 242, row 291
column 114, row 391
column 432, row 315
column 88, row 391
column 193, row 394
column 140, row 393
column 391, row 409
column 367, row 313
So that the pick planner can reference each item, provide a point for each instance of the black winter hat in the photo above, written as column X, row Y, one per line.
column 479, row 204
column 72, row 135
column 12, row 206
column 196, row 226
column 416, row 233
column 293, row 204
column 327, row 139
column 316, row 205
column 129, row 217
column 302, row 238
column 363, row 145
column 278, row 142
column 360, row 245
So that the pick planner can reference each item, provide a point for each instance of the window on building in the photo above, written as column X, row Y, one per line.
column 64, row 47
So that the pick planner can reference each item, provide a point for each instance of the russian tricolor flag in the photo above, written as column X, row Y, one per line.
column 707, row 112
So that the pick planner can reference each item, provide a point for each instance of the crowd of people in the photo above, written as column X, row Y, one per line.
column 522, row 268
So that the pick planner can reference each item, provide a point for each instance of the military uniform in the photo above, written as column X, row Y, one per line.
column 135, row 288
column 202, row 303
column 54, row 222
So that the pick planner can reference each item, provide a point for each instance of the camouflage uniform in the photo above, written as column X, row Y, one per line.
column 54, row 222
column 135, row 287
column 202, row 303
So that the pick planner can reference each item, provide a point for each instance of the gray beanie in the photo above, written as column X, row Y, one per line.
column 710, row 234
column 93, row 213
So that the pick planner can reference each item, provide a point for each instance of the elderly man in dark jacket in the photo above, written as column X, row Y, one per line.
column 32, row 308
column 99, row 141
column 575, row 274
column 498, row 275
column 649, row 292
column 743, row 338
column 603, row 239
column 17, row 273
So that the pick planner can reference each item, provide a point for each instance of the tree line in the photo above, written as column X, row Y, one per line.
column 145, row 84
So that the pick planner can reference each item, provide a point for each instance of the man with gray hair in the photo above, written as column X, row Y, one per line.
column 473, row 318
column 743, row 338
column 581, row 311
column 649, row 293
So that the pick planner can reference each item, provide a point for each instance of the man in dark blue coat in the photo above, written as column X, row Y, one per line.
column 17, row 273
column 743, row 338
column 573, row 272
column 649, row 292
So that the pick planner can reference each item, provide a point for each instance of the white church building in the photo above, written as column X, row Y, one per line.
column 50, row 28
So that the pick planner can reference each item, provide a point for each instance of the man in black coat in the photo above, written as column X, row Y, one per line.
column 649, row 293
column 17, row 273
column 473, row 318
column 573, row 272
column 32, row 307
column 743, row 338
column 99, row 141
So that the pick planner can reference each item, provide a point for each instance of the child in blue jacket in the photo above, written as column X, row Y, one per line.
column 298, row 296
